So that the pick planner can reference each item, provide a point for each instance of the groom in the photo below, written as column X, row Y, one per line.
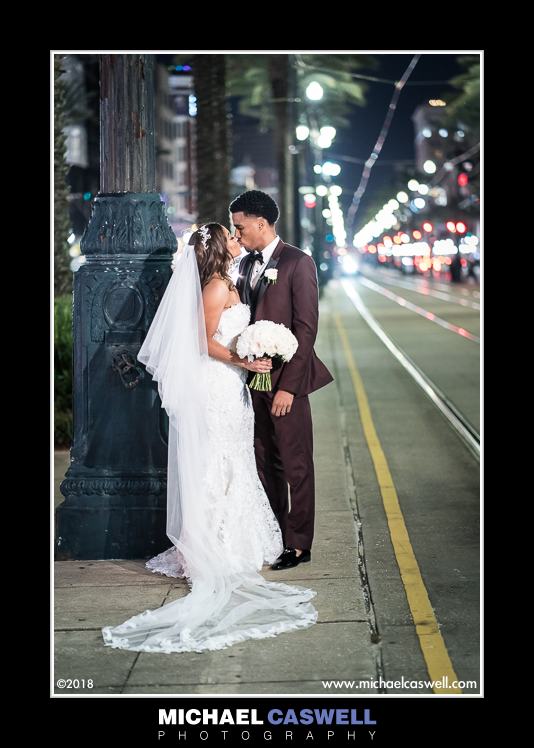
column 283, row 438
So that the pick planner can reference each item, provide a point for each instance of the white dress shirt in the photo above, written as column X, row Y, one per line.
column 258, row 267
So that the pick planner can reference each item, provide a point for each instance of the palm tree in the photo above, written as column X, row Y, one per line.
column 282, row 96
column 465, row 106
column 256, row 79
column 272, row 89
column 464, row 109
column 62, row 272
column 212, row 138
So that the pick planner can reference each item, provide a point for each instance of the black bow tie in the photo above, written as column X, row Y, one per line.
column 258, row 257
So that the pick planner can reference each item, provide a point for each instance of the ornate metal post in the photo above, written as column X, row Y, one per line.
column 115, row 487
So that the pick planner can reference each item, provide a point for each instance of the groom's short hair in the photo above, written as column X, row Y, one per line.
column 256, row 203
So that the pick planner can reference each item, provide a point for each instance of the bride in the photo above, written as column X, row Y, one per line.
column 219, row 519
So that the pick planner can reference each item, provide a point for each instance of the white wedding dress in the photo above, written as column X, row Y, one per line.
column 240, row 510
column 229, row 601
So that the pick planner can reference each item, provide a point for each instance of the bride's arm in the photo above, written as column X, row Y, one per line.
column 215, row 297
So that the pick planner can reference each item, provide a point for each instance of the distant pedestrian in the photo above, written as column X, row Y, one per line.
column 456, row 268
column 471, row 269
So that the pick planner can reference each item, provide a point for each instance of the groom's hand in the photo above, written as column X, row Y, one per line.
column 282, row 402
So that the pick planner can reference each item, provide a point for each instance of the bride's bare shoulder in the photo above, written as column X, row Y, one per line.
column 216, row 290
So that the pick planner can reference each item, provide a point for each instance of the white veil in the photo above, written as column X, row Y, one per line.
column 225, row 604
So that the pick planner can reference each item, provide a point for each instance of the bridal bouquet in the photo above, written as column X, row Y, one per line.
column 262, row 339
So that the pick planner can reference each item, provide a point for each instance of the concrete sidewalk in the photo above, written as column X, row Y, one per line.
column 93, row 594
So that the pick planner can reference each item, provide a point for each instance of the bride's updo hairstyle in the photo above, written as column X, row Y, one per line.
column 213, row 257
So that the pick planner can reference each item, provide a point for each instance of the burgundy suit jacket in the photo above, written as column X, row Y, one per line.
column 294, row 302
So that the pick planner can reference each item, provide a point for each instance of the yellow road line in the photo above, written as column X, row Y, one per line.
column 437, row 658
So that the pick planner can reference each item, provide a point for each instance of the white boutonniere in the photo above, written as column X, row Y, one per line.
column 271, row 274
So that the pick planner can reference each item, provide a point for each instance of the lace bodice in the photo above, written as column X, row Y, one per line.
column 233, row 321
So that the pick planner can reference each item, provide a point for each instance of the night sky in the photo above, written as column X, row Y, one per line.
column 367, row 121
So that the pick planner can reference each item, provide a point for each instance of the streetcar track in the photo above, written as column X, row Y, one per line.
column 429, row 293
column 421, row 311
column 456, row 420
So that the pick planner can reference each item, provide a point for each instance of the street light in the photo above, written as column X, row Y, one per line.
column 314, row 91
column 331, row 169
column 328, row 132
column 323, row 141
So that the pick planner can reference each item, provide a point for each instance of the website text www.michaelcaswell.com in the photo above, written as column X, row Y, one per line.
column 381, row 684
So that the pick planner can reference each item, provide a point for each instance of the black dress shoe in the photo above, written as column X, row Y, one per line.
column 289, row 558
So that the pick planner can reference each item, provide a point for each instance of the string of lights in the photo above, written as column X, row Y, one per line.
column 354, row 160
column 379, row 143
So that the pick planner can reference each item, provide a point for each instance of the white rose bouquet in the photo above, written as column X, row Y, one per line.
column 265, row 338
